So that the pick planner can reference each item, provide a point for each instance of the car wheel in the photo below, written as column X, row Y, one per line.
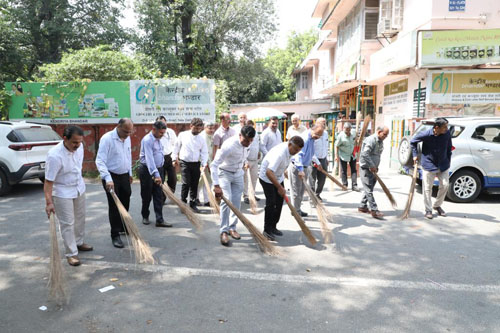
column 405, row 155
column 4, row 184
column 465, row 186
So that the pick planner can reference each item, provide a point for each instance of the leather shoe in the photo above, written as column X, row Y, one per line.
column 440, row 211
column 363, row 209
column 163, row 224
column 206, row 204
column 145, row 221
column 224, row 239
column 247, row 201
column 428, row 215
column 84, row 247
column 303, row 214
column 269, row 236
column 197, row 202
column 194, row 208
column 117, row 242
column 277, row 232
column 319, row 198
column 234, row 234
column 257, row 199
column 377, row 214
column 74, row 261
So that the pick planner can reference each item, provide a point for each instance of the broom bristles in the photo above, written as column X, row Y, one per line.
column 406, row 212
column 211, row 198
column 251, row 194
column 386, row 191
column 143, row 253
column 307, row 232
column 185, row 209
column 323, row 214
column 56, row 284
column 263, row 243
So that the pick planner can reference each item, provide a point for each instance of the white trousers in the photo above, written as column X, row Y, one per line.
column 254, row 175
column 71, row 215
column 231, row 184
column 428, row 182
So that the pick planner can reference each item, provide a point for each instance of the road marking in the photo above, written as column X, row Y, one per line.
column 273, row 277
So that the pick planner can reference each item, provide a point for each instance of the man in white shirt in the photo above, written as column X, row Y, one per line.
column 242, row 118
column 317, row 179
column 271, row 136
column 208, row 136
column 168, row 141
column 223, row 133
column 227, row 174
column 253, row 165
column 296, row 128
column 272, row 174
column 190, row 150
column 114, row 162
column 64, row 191
column 151, row 174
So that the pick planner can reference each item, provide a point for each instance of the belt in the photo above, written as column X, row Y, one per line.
column 228, row 170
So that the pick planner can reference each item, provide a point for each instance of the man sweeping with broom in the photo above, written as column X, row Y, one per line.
column 227, row 174
column 114, row 162
column 271, row 177
column 368, row 165
column 64, row 190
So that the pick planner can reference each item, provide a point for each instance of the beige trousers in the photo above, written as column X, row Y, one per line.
column 428, row 182
column 254, row 175
column 71, row 215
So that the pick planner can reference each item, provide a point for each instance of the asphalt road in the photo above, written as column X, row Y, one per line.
column 416, row 275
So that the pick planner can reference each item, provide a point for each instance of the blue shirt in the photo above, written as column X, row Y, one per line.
column 306, row 154
column 436, row 150
column 152, row 154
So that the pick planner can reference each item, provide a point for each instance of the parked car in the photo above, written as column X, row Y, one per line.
column 475, row 160
column 23, row 150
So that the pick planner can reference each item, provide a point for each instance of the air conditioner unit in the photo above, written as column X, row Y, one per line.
column 384, row 25
column 397, row 14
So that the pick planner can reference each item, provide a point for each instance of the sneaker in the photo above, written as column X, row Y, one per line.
column 269, row 236
column 428, row 215
column 277, row 232
column 440, row 211
column 355, row 188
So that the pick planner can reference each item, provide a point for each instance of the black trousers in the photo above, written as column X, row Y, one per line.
column 274, row 204
column 169, row 172
column 123, row 191
column 317, row 178
column 150, row 189
column 354, row 174
column 190, row 174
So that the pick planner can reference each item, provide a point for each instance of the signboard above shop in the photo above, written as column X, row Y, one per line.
column 456, row 6
column 440, row 48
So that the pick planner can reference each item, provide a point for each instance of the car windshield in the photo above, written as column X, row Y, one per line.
column 33, row 134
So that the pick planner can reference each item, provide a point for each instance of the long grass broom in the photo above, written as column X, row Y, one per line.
column 211, row 198
column 359, row 140
column 406, row 212
column 386, row 191
column 333, row 179
column 301, row 222
column 191, row 216
column 251, row 194
column 56, row 284
column 263, row 243
column 323, row 214
column 143, row 253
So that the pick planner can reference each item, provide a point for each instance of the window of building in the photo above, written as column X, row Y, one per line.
column 371, row 21
column 303, row 84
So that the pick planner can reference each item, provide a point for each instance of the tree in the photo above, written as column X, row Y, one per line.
column 282, row 62
column 100, row 63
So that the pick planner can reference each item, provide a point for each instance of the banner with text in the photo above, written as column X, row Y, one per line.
column 178, row 100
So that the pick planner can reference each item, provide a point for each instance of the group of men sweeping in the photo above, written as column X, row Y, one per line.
column 225, row 154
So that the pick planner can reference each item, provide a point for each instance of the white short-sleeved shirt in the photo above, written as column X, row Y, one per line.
column 277, row 160
column 64, row 168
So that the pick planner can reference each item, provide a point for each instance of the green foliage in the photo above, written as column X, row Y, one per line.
column 100, row 63
column 5, row 102
column 282, row 62
column 221, row 98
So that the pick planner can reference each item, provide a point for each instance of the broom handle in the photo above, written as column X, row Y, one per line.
column 333, row 179
column 300, row 221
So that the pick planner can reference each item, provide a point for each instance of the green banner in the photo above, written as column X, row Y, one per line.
column 64, row 103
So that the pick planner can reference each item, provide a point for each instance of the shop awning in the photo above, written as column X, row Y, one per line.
column 342, row 86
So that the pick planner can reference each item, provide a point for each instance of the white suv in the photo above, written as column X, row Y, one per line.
column 23, row 150
column 475, row 159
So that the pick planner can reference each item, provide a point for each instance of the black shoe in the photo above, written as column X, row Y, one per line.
column 257, row 199
column 184, row 200
column 277, row 232
column 319, row 198
column 355, row 188
column 247, row 201
column 197, row 202
column 194, row 208
column 268, row 236
column 145, row 221
column 303, row 214
column 206, row 204
column 117, row 242
column 163, row 224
